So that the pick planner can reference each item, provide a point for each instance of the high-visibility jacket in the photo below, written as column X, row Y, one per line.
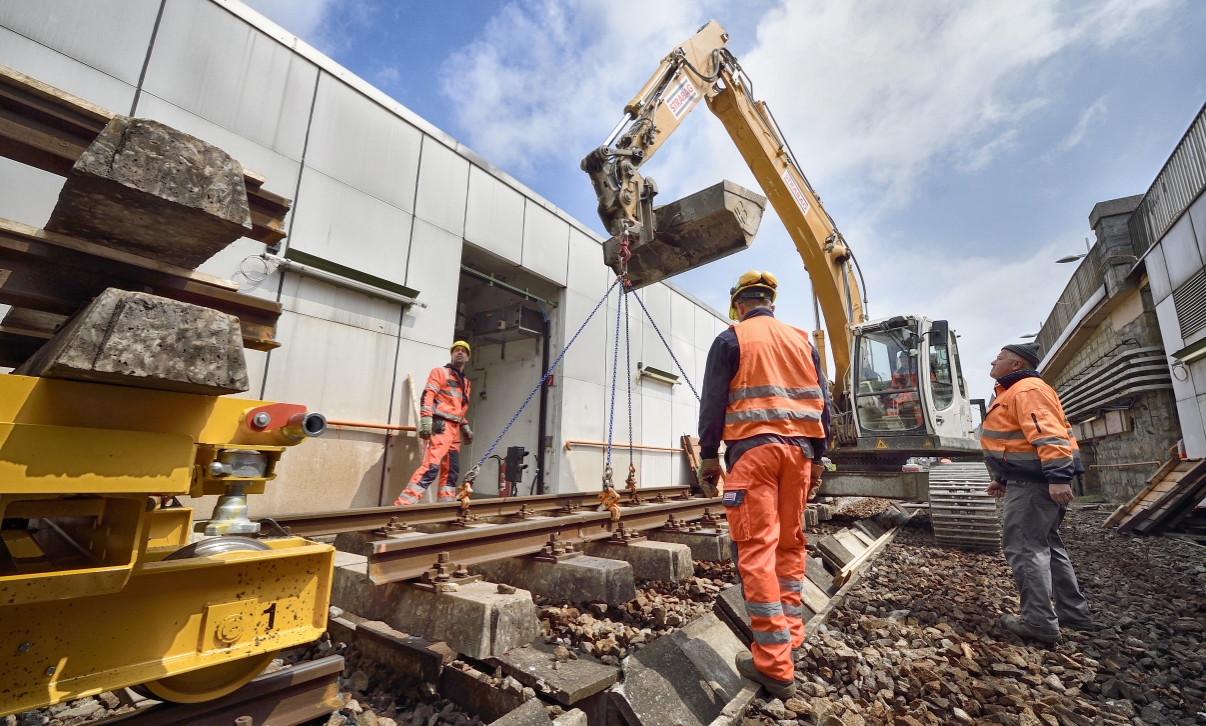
column 446, row 395
column 1026, row 437
column 776, row 389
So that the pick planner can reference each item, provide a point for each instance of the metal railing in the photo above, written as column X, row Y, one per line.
column 1088, row 277
column 1176, row 187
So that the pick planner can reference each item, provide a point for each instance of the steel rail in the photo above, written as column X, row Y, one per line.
column 320, row 524
column 287, row 697
column 405, row 558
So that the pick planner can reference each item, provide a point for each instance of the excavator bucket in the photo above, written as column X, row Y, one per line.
column 693, row 231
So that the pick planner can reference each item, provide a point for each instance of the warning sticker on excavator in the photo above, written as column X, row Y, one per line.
column 681, row 97
column 796, row 192
column 879, row 444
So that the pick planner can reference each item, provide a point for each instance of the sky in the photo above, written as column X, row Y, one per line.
column 959, row 145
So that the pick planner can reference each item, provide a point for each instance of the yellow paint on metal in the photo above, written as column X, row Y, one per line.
column 105, row 608
column 207, row 419
column 155, row 628
column 38, row 459
column 169, row 527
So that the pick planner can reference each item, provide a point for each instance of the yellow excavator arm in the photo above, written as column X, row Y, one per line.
column 703, row 68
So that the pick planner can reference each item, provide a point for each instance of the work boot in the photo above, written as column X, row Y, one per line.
column 1023, row 629
column 779, row 689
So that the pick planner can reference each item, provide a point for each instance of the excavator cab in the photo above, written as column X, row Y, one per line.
column 907, row 388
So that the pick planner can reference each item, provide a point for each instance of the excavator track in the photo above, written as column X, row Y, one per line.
column 962, row 513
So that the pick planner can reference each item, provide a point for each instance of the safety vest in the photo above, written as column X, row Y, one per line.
column 776, row 389
column 1026, row 437
column 443, row 396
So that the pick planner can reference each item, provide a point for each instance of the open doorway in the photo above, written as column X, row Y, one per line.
column 508, row 317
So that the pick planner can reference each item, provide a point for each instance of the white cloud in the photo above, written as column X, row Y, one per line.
column 874, row 96
column 1077, row 135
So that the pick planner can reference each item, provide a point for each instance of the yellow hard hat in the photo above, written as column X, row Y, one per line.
column 460, row 344
column 757, row 284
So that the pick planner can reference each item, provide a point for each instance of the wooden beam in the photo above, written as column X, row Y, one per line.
column 47, row 128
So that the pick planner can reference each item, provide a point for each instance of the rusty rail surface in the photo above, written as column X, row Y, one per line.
column 288, row 697
column 408, row 557
column 363, row 520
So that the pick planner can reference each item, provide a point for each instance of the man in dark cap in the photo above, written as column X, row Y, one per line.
column 1032, row 455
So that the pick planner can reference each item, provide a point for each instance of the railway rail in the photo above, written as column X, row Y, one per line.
column 287, row 697
column 413, row 538
column 365, row 520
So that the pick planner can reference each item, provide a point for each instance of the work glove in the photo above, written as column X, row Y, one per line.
column 466, row 434
column 425, row 427
column 707, row 474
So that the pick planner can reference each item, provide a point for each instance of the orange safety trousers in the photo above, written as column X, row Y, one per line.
column 441, row 462
column 764, row 497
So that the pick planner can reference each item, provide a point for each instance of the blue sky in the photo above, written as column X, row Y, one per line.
column 959, row 145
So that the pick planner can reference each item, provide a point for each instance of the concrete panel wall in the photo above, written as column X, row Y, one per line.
column 379, row 190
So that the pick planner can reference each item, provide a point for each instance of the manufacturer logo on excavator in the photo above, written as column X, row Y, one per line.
column 682, row 97
column 794, row 188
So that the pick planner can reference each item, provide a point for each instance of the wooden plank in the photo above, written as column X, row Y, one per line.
column 813, row 597
column 1120, row 514
column 1156, row 488
column 851, row 542
column 848, row 571
column 863, row 537
column 1165, row 493
column 1189, row 492
column 7, row 226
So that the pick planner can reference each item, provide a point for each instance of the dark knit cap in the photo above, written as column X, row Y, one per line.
column 1028, row 351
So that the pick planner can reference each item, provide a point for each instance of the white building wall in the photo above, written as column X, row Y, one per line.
column 377, row 189
column 1178, row 256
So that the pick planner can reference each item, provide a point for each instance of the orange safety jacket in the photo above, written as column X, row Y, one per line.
column 446, row 395
column 1026, row 437
column 776, row 389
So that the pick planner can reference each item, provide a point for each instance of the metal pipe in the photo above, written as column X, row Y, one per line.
column 542, row 425
column 1136, row 463
column 493, row 281
column 340, row 281
column 616, row 131
column 364, row 425
column 603, row 444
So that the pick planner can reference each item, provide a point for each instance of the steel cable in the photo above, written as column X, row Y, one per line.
column 477, row 467
column 668, row 348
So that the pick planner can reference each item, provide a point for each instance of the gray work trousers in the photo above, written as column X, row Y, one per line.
column 1035, row 552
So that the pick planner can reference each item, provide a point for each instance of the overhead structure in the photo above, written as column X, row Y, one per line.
column 897, row 384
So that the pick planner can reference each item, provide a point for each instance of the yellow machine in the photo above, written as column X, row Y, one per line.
column 99, row 588
column 702, row 68
column 897, row 385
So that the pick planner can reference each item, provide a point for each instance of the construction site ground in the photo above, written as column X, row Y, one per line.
column 915, row 641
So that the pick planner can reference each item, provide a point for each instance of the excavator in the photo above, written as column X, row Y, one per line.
column 898, row 389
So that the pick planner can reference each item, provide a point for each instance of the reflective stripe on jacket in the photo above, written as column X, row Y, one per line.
column 776, row 389
column 443, row 396
column 1026, row 437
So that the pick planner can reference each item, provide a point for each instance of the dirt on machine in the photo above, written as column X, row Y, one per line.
column 898, row 388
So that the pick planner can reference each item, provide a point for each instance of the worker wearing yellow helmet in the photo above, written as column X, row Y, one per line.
column 764, row 397
column 443, row 424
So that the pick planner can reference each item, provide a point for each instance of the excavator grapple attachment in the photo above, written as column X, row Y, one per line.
column 693, row 231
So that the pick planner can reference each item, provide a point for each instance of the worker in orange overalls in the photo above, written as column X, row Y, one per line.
column 764, row 397
column 1032, row 455
column 442, row 424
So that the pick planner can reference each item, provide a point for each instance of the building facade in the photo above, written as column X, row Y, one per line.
column 1103, row 353
column 383, row 197
column 1169, row 232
